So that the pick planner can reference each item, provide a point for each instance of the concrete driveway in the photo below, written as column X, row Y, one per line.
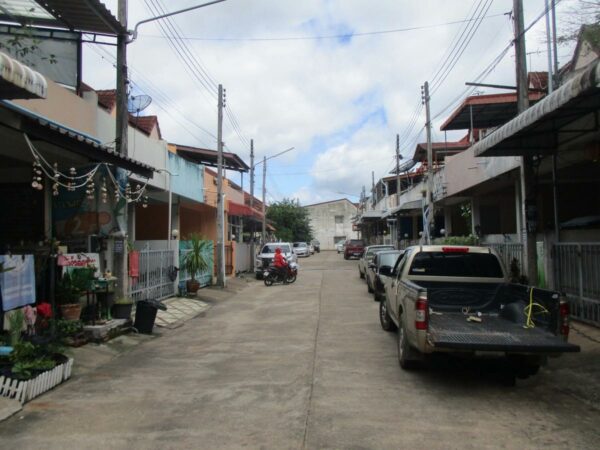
column 302, row 366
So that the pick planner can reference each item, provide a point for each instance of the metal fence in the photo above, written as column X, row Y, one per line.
column 155, row 276
column 508, row 252
column 577, row 274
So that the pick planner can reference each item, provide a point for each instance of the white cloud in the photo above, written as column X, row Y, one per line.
column 298, row 92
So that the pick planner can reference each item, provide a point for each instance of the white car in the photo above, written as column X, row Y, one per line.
column 267, row 253
column 340, row 246
column 301, row 249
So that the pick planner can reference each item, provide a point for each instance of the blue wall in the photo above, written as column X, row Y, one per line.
column 190, row 181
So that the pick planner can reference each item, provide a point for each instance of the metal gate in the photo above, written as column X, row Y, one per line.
column 153, row 281
column 577, row 274
column 508, row 252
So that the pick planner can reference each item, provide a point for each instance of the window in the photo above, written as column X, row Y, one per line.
column 339, row 219
column 441, row 264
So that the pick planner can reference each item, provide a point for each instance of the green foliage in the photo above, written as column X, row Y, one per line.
column 196, row 260
column 466, row 214
column 67, row 292
column 27, row 358
column 460, row 240
column 15, row 326
column 290, row 220
column 67, row 328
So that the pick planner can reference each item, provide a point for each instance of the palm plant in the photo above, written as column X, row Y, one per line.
column 196, row 260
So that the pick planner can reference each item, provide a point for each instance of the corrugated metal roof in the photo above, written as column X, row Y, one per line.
column 90, row 16
column 538, row 129
column 84, row 144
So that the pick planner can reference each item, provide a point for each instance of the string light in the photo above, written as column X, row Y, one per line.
column 72, row 181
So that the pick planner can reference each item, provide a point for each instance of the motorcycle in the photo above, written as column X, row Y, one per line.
column 273, row 275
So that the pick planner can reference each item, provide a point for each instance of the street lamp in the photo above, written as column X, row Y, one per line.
column 169, row 231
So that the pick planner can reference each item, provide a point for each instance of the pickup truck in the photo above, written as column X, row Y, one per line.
column 354, row 248
column 455, row 299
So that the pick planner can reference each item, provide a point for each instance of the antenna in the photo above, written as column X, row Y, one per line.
column 137, row 103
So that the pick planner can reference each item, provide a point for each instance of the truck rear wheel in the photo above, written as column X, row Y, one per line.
column 408, row 357
column 384, row 318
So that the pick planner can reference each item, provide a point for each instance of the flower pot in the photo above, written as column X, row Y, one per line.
column 122, row 310
column 192, row 286
column 71, row 311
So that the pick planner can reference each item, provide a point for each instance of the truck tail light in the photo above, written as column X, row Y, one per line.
column 421, row 313
column 455, row 249
column 563, row 309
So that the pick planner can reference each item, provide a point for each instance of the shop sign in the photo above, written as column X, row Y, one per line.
column 79, row 260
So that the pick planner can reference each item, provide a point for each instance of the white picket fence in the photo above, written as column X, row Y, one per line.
column 24, row 391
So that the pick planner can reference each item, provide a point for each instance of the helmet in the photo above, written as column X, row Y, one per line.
column 277, row 250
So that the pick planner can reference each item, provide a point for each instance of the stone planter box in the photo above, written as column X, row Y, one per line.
column 27, row 390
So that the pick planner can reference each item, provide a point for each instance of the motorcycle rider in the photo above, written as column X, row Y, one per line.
column 280, row 264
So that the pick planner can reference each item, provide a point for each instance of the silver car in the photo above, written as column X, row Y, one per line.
column 267, row 253
column 367, row 257
column 301, row 249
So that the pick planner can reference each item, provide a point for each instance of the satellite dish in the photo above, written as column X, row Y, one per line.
column 137, row 103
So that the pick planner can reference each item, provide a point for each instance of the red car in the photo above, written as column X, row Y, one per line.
column 354, row 248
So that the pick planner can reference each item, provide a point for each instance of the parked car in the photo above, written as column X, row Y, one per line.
column 367, row 257
column 456, row 299
column 316, row 245
column 380, row 271
column 354, row 248
column 301, row 249
column 340, row 246
column 267, row 253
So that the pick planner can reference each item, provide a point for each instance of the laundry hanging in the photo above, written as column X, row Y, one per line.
column 18, row 284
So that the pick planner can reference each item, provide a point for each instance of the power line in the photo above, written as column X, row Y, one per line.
column 191, row 61
column 157, row 95
column 331, row 36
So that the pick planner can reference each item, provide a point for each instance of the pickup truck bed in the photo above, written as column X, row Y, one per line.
column 494, row 333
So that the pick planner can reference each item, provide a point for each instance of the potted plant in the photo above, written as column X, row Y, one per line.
column 67, row 297
column 122, row 308
column 196, row 260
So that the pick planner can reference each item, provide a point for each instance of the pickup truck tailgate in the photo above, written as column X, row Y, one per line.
column 494, row 333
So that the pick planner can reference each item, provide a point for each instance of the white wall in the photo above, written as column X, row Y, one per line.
column 322, row 221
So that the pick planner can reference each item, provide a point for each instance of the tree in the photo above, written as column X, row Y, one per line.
column 290, row 220
column 583, row 12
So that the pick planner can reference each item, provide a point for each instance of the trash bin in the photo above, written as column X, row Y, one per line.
column 145, row 315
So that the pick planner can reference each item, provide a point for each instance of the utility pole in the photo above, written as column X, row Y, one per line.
column 120, row 257
column 398, row 157
column 220, row 207
column 528, row 194
column 252, row 200
column 264, row 195
column 428, row 222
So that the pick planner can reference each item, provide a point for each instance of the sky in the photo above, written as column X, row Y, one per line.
column 335, row 79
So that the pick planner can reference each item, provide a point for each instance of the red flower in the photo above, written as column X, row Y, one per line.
column 44, row 310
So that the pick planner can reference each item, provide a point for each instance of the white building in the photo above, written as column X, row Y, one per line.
column 331, row 221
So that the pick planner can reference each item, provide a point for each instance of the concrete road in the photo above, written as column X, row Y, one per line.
column 299, row 366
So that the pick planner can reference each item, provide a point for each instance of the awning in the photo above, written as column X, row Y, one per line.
column 416, row 204
column 76, row 15
column 372, row 215
column 207, row 157
column 557, row 119
column 40, row 128
column 486, row 111
column 236, row 209
column 19, row 81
